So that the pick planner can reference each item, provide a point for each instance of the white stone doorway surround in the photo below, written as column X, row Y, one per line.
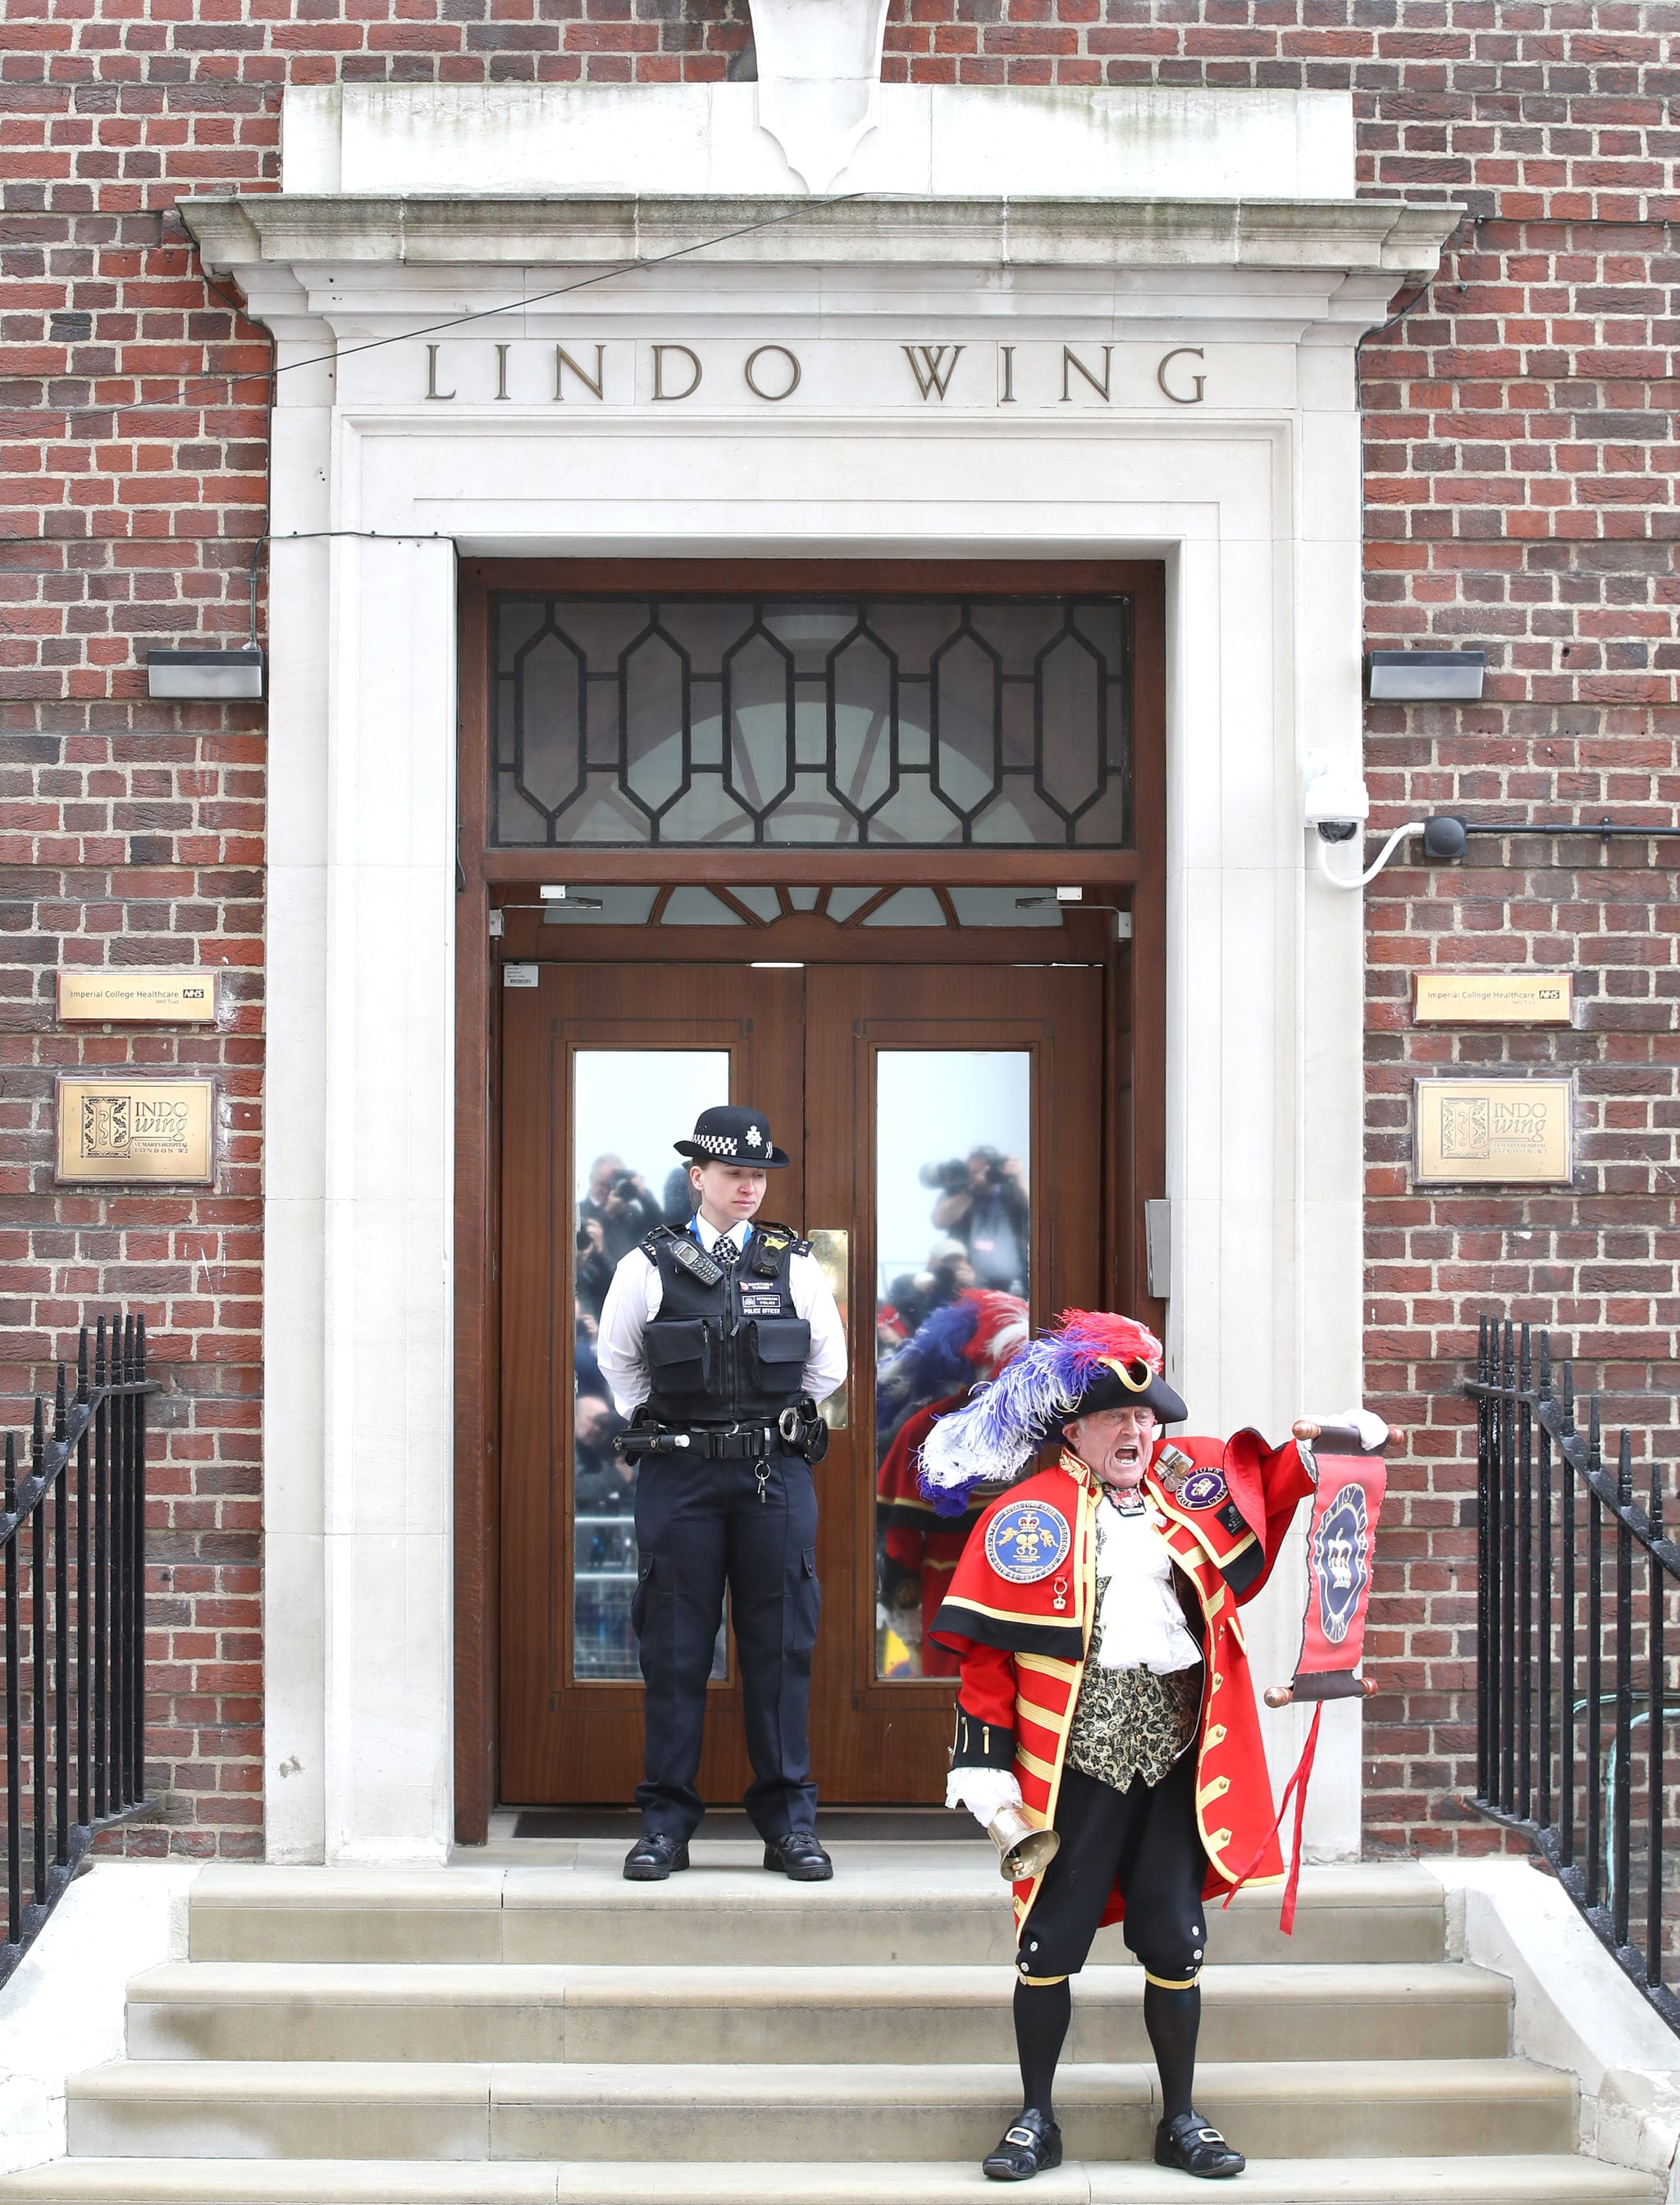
column 1250, row 495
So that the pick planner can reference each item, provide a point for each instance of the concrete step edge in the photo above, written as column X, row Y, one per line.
column 1368, row 1887
column 505, row 1982
column 716, row 2088
column 1549, row 2179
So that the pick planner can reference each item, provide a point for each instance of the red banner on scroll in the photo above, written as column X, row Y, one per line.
column 1341, row 1549
column 1341, row 1543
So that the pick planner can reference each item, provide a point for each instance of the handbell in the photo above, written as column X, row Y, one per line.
column 1024, row 1849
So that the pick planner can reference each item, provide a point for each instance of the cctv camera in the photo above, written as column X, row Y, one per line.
column 1337, row 804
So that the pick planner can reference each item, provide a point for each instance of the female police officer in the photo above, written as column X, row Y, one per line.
column 719, row 1342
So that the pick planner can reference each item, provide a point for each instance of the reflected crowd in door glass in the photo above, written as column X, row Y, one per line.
column 954, row 1243
column 635, row 1100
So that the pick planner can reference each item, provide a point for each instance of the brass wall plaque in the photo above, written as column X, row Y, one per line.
column 123, row 998
column 124, row 1127
column 1472, row 1130
column 1494, row 999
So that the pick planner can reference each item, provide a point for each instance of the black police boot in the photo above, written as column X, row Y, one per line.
column 1191, row 2145
column 1031, row 2142
column 653, row 1856
column 799, row 1857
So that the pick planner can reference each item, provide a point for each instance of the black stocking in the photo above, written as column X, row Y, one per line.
column 1041, row 2011
column 1172, row 2018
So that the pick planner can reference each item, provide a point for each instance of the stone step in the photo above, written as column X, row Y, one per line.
column 889, row 1906
column 1534, row 2179
column 779, row 2015
column 562, row 2111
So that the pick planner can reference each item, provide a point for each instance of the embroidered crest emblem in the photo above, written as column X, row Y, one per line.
column 1204, row 1488
column 1341, row 1561
column 1027, row 1540
column 753, row 1137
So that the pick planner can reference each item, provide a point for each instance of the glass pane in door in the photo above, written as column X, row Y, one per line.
column 627, row 1106
column 954, row 1254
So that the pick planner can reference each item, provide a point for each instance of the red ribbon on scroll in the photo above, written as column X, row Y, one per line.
column 1341, row 1545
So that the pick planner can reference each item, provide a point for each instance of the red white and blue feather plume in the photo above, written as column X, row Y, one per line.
column 996, row 1434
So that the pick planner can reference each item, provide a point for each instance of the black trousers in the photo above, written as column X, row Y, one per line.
column 1147, row 1840
column 701, row 1527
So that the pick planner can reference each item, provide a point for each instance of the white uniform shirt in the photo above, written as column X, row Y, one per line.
column 637, row 1291
column 1142, row 1624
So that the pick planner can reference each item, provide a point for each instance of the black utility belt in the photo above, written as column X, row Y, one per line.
column 793, row 1433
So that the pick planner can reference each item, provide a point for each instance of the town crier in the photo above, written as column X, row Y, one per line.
column 1104, row 1687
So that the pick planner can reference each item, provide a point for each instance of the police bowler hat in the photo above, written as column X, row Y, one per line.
column 733, row 1134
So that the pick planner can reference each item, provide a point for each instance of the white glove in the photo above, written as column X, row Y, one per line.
column 983, row 1791
column 1371, row 1428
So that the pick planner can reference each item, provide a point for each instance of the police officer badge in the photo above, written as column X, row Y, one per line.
column 1027, row 1540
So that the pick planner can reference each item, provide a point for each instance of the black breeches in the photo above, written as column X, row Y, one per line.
column 701, row 1528
column 1146, row 1840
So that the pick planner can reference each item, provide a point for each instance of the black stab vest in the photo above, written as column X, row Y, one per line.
column 734, row 1352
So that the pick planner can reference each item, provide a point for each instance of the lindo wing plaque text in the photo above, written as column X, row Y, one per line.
column 122, row 1127
column 1494, row 999
column 1469, row 1131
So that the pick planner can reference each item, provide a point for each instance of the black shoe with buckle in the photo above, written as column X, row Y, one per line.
column 799, row 1857
column 653, row 1856
column 1029, row 2144
column 1190, row 2144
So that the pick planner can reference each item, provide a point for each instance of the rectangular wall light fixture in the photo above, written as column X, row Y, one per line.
column 198, row 674
column 1413, row 677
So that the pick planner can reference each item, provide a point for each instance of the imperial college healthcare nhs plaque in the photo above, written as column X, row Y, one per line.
column 1494, row 999
column 134, row 997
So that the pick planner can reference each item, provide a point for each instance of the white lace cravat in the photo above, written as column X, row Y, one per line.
column 1142, row 1624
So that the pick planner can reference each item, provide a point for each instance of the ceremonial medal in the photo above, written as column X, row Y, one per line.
column 1172, row 1465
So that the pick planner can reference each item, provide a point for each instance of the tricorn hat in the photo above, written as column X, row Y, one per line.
column 1130, row 1384
column 733, row 1133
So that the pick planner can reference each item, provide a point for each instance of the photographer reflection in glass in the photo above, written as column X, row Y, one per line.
column 616, row 1215
column 984, row 1204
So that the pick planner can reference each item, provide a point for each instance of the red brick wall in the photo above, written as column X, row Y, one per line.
column 133, row 836
column 1521, row 498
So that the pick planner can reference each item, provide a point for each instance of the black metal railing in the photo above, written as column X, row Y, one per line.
column 1574, row 1704
column 71, row 1545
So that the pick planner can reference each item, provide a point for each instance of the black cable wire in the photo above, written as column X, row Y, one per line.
column 277, row 367
column 292, row 536
column 1418, row 297
column 227, row 375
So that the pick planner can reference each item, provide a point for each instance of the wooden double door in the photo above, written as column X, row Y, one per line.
column 946, row 1126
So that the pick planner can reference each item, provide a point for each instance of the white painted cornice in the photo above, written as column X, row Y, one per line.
column 243, row 232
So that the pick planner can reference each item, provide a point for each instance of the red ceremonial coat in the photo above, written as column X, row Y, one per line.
column 1022, row 1632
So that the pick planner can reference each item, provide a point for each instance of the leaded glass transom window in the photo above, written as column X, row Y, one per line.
column 906, row 723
